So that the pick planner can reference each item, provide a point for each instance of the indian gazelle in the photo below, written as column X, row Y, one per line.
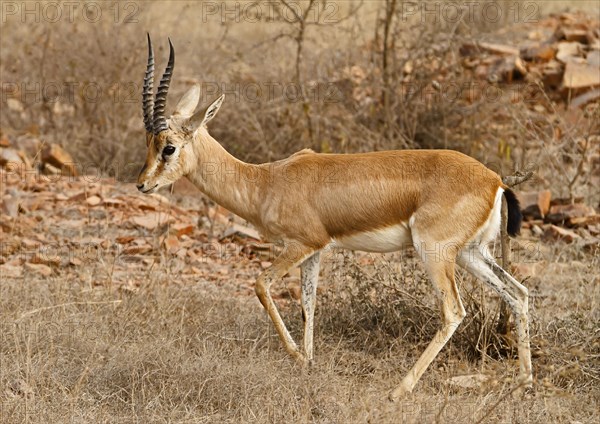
column 444, row 204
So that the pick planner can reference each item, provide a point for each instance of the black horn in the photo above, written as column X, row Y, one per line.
column 148, row 91
column 160, row 121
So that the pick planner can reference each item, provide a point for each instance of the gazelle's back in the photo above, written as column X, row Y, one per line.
column 366, row 192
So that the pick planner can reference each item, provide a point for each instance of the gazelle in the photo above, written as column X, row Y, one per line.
column 444, row 204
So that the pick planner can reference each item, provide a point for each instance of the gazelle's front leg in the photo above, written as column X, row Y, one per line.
column 292, row 255
column 310, row 277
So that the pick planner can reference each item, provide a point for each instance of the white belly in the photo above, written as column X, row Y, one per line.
column 388, row 239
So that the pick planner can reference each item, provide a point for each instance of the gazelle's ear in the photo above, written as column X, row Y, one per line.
column 188, row 102
column 202, row 117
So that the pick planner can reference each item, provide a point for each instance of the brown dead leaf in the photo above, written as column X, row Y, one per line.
column 124, row 239
column 43, row 270
column 181, row 229
column 152, row 220
column 46, row 259
column 113, row 202
column 77, row 197
column 240, row 231
column 171, row 244
column 137, row 250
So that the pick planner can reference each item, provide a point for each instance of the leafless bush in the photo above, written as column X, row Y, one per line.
column 322, row 81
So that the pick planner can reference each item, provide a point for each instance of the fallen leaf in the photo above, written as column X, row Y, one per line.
column 152, row 220
column 240, row 231
column 124, row 239
column 181, row 229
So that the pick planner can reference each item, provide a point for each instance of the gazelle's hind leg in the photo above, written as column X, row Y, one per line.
column 481, row 264
column 441, row 271
column 310, row 276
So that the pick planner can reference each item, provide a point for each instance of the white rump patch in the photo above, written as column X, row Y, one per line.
column 490, row 229
column 389, row 239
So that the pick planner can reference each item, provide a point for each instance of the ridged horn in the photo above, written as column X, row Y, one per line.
column 160, row 121
column 148, row 91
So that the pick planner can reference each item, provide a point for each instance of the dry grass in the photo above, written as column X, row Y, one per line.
column 173, row 353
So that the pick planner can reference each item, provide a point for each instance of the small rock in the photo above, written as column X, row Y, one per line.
column 93, row 200
column 535, row 204
column 572, row 34
column 9, row 206
column 552, row 74
column 60, row 158
column 580, row 75
column 563, row 213
column 15, row 105
column 43, row 270
column 10, row 271
column 9, row 156
column 593, row 58
column 557, row 233
column 567, row 52
column 468, row 381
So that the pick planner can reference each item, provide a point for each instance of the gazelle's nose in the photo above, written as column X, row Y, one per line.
column 140, row 187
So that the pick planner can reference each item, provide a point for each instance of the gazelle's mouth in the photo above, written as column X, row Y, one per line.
column 149, row 190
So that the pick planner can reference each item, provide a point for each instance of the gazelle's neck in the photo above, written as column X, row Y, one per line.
column 228, row 181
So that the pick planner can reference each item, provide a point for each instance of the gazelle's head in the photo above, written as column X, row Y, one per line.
column 170, row 141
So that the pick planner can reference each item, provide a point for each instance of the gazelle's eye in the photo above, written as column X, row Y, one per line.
column 168, row 151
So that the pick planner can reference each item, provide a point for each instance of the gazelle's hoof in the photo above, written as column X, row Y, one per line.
column 398, row 393
column 526, row 381
column 524, row 388
column 300, row 359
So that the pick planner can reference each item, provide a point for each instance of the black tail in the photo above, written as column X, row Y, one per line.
column 515, row 217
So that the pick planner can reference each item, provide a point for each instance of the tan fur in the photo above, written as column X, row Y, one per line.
column 313, row 197
column 443, row 198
